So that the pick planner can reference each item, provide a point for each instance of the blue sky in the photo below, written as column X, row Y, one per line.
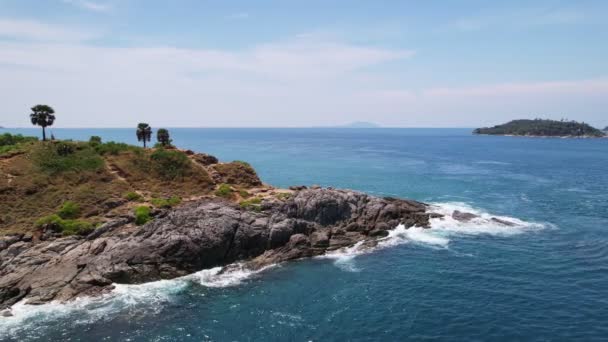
column 303, row 63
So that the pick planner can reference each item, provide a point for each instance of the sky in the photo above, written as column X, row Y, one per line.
column 288, row 63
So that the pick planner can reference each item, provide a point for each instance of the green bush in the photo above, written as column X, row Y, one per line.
column 224, row 190
column 49, row 159
column 133, row 196
column 244, row 194
column 66, row 227
column 14, row 139
column 115, row 148
column 69, row 210
column 252, row 204
column 283, row 195
column 10, row 142
column 170, row 164
column 166, row 202
column 95, row 140
column 142, row 215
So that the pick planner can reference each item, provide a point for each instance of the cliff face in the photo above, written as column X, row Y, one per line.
column 201, row 234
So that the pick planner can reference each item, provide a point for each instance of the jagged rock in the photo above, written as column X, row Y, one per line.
column 298, row 187
column 463, row 217
column 205, row 159
column 114, row 203
column 198, row 235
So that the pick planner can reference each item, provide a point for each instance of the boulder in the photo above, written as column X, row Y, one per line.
column 462, row 216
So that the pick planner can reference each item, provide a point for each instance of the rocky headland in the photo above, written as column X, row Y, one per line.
column 226, row 214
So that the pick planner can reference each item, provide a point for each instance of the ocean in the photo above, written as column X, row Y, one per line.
column 545, row 279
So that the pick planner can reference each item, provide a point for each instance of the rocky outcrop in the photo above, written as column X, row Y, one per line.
column 199, row 235
column 237, row 173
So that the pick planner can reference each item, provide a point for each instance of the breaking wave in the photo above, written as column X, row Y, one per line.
column 131, row 299
column 443, row 231
column 150, row 297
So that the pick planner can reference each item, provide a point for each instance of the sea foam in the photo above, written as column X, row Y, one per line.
column 150, row 297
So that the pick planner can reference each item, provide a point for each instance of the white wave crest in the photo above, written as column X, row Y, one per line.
column 133, row 299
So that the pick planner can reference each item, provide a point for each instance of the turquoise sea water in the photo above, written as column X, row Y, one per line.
column 546, row 279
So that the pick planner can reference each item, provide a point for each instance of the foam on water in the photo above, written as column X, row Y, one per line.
column 442, row 231
column 151, row 297
column 135, row 299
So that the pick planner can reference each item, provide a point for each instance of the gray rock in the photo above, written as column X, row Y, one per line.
column 196, row 236
column 463, row 217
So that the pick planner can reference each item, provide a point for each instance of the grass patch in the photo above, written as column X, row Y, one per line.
column 69, row 210
column 252, row 204
column 169, row 164
column 14, row 142
column 244, row 194
column 166, row 202
column 66, row 227
column 142, row 215
column 112, row 147
column 54, row 158
column 284, row 196
column 133, row 196
column 224, row 190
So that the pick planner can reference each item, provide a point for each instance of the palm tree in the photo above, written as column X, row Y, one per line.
column 144, row 133
column 162, row 135
column 43, row 116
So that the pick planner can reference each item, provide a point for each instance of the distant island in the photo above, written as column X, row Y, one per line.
column 543, row 128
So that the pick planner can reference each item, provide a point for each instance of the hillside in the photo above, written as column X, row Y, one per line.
column 75, row 186
column 539, row 127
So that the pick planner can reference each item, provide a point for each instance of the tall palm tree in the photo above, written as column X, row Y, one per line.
column 43, row 116
column 162, row 135
column 144, row 133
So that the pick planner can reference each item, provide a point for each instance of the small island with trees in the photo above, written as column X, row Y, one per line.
column 543, row 128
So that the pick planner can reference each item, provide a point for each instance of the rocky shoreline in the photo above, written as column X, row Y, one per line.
column 202, row 234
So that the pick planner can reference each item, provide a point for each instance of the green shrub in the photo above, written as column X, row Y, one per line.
column 166, row 202
column 170, row 164
column 66, row 227
column 55, row 159
column 133, row 196
column 114, row 148
column 10, row 142
column 283, row 195
column 95, row 140
column 244, row 194
column 69, row 210
column 224, row 190
column 7, row 139
column 142, row 215
column 252, row 204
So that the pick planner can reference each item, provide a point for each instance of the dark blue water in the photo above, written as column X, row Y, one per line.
column 546, row 279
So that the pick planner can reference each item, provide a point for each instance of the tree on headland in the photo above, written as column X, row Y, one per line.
column 162, row 135
column 43, row 116
column 144, row 133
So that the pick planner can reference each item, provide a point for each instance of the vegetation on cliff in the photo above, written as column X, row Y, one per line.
column 540, row 127
column 41, row 181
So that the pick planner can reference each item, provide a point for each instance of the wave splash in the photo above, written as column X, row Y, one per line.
column 443, row 230
column 150, row 297
column 133, row 299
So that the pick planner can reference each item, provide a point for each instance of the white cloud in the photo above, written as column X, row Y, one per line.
column 303, row 81
column 34, row 30
column 89, row 5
